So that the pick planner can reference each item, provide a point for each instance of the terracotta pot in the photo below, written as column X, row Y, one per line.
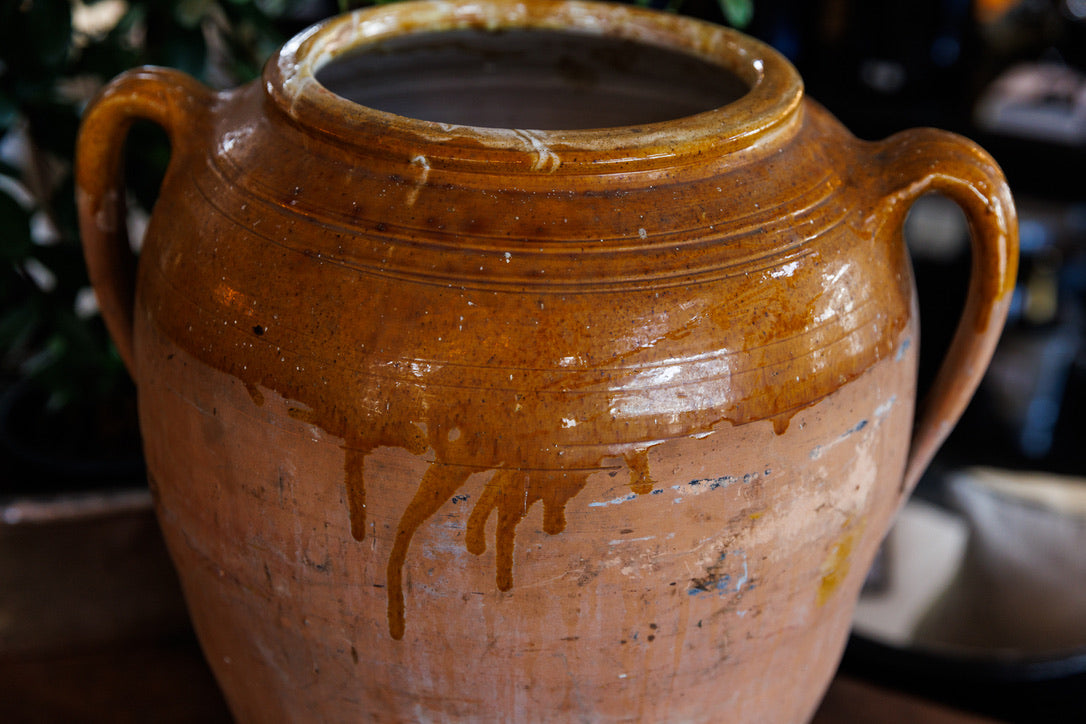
column 451, row 420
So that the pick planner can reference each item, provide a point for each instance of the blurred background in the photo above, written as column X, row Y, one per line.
column 978, row 598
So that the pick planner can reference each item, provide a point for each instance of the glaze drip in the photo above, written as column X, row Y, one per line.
column 509, row 493
column 439, row 483
column 512, row 493
column 390, row 434
column 640, row 480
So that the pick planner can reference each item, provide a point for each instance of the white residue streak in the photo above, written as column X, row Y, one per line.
column 785, row 271
column 613, row 501
column 620, row 541
column 231, row 138
column 746, row 573
column 424, row 174
column 545, row 159
column 882, row 409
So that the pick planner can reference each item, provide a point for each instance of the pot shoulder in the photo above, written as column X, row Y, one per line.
column 752, row 282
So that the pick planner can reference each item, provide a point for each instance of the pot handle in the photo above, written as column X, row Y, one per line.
column 181, row 106
column 924, row 160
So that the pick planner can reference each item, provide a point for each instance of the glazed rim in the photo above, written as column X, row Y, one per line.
column 768, row 108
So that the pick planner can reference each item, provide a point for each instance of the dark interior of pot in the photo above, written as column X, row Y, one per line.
column 532, row 79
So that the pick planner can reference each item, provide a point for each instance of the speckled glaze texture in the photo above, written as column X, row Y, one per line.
column 450, row 423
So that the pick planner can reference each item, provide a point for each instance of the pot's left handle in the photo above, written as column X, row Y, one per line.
column 169, row 98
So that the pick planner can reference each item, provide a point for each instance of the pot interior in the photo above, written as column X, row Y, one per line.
column 532, row 79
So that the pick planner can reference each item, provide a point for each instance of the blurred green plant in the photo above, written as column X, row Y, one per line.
column 54, row 55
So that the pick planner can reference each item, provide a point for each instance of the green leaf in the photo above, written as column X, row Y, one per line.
column 738, row 13
column 65, row 261
column 185, row 51
column 15, row 241
column 18, row 325
column 48, row 28
column 272, row 8
column 45, row 357
column 9, row 111
column 53, row 126
column 190, row 13
column 64, row 216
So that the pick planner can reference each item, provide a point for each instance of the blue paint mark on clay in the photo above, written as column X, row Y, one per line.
column 880, row 412
column 702, row 485
column 694, row 487
column 725, row 575
column 906, row 343
column 855, row 428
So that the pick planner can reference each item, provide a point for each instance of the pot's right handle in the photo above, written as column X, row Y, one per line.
column 181, row 106
column 911, row 164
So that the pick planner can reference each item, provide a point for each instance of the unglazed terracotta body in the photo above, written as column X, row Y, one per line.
column 452, row 423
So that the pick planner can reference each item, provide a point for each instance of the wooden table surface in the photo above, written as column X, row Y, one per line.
column 169, row 683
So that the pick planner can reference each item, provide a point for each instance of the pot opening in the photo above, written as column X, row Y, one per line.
column 531, row 79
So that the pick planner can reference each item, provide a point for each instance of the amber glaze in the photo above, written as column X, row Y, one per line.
column 449, row 422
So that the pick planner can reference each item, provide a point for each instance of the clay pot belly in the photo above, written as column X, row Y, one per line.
column 696, row 584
